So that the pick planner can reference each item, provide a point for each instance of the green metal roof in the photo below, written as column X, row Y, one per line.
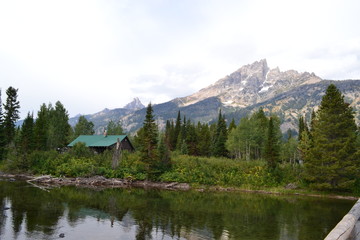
column 97, row 140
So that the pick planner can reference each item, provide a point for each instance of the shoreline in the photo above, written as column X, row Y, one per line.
column 102, row 182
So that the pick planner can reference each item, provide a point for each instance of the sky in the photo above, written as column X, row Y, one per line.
column 91, row 55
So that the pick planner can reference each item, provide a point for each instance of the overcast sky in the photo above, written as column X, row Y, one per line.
column 95, row 54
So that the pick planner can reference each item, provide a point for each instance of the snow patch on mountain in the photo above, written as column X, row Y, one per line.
column 265, row 89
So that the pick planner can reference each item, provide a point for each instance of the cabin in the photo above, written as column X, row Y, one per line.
column 100, row 143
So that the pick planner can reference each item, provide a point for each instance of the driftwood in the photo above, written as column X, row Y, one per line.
column 39, row 178
column 99, row 181
column 346, row 228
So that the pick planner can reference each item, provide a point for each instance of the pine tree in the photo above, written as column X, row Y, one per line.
column 272, row 150
column 11, row 114
column 259, row 122
column 41, row 128
column 312, row 123
column 232, row 125
column 169, row 134
column 331, row 162
column 181, row 144
column 84, row 127
column 176, row 131
column 164, row 155
column 27, row 140
column 114, row 128
column 304, row 146
column 59, row 128
column 149, row 148
column 219, row 149
column 2, row 134
column 302, row 127
column 204, row 139
column 192, row 140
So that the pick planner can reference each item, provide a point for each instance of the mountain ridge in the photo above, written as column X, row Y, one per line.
column 288, row 94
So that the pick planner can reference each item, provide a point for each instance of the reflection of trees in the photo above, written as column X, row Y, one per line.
column 40, row 209
column 2, row 212
column 240, row 216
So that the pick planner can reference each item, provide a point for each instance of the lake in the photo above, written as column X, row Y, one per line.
column 28, row 212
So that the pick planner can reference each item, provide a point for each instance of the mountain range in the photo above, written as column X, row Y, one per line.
column 287, row 94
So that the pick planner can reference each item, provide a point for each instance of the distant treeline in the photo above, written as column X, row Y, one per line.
column 324, row 155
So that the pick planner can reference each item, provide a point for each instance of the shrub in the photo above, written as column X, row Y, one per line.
column 77, row 167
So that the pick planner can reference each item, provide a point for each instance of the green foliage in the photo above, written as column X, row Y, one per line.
column 51, row 129
column 220, row 138
column 227, row 172
column 15, row 161
column 302, row 127
column 41, row 128
column 272, row 148
column 164, row 155
column 114, row 128
column 289, row 151
column 83, row 127
column 11, row 114
column 2, row 133
column 232, row 125
column 247, row 140
column 77, row 167
column 81, row 150
column 46, row 162
column 176, row 131
column 27, row 140
column 59, row 128
column 204, row 139
column 148, row 144
column 331, row 161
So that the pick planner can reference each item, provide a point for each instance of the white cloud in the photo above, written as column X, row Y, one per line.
column 95, row 54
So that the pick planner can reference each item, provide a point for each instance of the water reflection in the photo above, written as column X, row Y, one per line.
column 82, row 213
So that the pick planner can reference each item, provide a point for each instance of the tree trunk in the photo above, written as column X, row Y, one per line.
column 116, row 155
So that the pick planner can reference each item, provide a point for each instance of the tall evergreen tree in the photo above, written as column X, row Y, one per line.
column 219, row 148
column 259, row 123
column 27, row 140
column 272, row 150
column 204, row 139
column 169, row 134
column 232, row 125
column 331, row 162
column 2, row 134
column 114, row 128
column 181, row 144
column 149, row 148
column 59, row 127
column 164, row 155
column 84, row 127
column 312, row 123
column 11, row 114
column 191, row 139
column 302, row 127
column 176, row 131
column 41, row 128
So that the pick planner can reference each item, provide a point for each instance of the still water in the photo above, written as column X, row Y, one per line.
column 68, row 213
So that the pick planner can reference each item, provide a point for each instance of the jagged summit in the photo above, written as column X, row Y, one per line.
column 251, row 84
column 287, row 94
column 134, row 105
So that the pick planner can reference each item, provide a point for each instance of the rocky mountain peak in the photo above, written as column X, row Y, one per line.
column 251, row 84
column 134, row 105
